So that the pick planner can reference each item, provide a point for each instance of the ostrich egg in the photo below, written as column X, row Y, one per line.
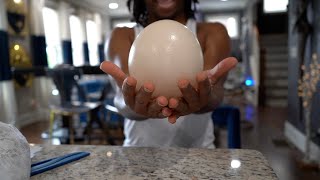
column 165, row 52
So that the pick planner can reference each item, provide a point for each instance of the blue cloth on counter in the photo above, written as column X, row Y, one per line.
column 50, row 164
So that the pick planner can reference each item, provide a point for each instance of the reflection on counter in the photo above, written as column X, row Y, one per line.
column 235, row 164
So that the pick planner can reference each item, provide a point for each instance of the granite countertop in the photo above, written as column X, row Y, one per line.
column 112, row 162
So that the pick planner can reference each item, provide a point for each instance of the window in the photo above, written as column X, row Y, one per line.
column 231, row 22
column 52, row 35
column 92, row 35
column 275, row 6
column 76, row 40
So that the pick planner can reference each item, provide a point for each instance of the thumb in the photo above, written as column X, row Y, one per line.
column 222, row 68
column 114, row 71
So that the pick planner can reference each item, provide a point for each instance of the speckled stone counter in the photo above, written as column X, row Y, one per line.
column 110, row 162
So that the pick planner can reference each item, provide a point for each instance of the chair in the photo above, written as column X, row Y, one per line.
column 101, row 91
column 109, row 115
column 65, row 78
column 229, row 116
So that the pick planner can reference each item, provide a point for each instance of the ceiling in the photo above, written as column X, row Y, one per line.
column 205, row 5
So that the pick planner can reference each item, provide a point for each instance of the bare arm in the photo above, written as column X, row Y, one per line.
column 217, row 49
column 118, row 51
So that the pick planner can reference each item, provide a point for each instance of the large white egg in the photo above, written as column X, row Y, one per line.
column 163, row 53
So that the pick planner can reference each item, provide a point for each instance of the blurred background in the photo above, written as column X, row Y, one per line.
column 52, row 89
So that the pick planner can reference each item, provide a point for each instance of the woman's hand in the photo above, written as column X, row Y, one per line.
column 141, row 102
column 194, row 100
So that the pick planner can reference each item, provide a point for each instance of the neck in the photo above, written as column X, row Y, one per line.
column 180, row 18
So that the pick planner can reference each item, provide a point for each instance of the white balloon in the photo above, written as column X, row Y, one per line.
column 163, row 53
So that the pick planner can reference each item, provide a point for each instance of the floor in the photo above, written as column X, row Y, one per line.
column 267, row 130
column 260, row 130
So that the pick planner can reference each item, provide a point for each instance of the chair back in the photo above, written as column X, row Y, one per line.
column 65, row 78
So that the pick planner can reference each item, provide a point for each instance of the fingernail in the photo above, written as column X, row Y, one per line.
column 129, row 83
column 183, row 83
column 166, row 112
column 172, row 120
column 202, row 77
column 159, row 103
column 101, row 65
column 174, row 104
column 147, row 90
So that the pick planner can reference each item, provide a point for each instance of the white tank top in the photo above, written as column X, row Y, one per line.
column 192, row 131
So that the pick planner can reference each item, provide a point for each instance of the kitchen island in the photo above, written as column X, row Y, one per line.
column 114, row 162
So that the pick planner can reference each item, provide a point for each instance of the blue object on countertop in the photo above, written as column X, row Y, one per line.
column 49, row 164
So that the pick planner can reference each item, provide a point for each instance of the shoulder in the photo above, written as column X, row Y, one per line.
column 122, row 33
column 119, row 40
column 215, row 41
column 119, row 43
column 213, row 30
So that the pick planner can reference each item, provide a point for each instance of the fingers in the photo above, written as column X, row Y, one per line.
column 189, row 94
column 204, row 88
column 155, row 109
column 173, row 119
column 143, row 97
column 128, row 91
column 221, row 69
column 113, row 70
column 180, row 106
column 166, row 112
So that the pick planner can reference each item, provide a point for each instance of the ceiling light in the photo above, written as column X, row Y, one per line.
column 17, row 1
column 224, row 0
column 113, row 5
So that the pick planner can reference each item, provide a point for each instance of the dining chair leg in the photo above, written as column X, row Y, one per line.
column 51, row 119
column 71, row 130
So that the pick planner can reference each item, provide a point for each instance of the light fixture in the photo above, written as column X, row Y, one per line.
column 55, row 92
column 16, row 47
column 224, row 0
column 17, row 1
column 113, row 5
column 271, row 6
column 249, row 82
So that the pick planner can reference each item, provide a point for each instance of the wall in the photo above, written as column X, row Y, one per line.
column 296, row 119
